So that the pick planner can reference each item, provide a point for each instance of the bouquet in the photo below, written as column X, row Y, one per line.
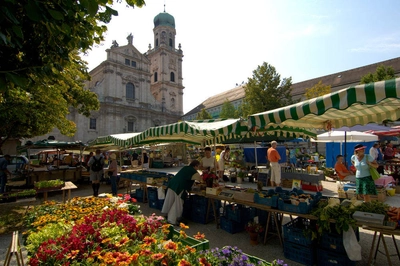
column 208, row 175
column 253, row 227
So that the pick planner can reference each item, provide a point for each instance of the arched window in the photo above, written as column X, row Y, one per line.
column 130, row 91
column 156, row 42
column 170, row 42
column 155, row 77
column 172, row 77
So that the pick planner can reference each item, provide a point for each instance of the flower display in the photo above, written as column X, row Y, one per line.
column 253, row 227
column 208, row 175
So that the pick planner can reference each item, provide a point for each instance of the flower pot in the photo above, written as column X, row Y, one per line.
column 253, row 238
column 239, row 180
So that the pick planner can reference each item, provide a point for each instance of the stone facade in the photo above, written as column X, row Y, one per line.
column 135, row 90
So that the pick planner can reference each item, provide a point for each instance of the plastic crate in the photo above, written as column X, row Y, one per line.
column 303, row 207
column 199, row 200
column 152, row 193
column 153, row 203
column 239, row 213
column 302, row 254
column 231, row 226
column 160, row 204
column 139, row 194
column 199, row 245
column 293, row 231
column 332, row 258
column 314, row 187
column 333, row 241
column 269, row 200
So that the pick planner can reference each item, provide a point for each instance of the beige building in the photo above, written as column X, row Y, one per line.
column 135, row 90
column 337, row 81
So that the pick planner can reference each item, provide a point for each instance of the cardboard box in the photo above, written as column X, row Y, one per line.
column 397, row 189
column 245, row 196
column 213, row 190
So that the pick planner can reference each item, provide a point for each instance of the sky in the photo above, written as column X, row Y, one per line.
column 224, row 41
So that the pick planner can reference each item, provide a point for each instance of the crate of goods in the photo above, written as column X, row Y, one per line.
column 231, row 226
column 342, row 194
column 298, row 231
column 153, row 203
column 332, row 258
column 239, row 213
column 198, row 244
column 381, row 195
column 213, row 190
column 302, row 254
column 244, row 195
column 303, row 203
column 199, row 213
column 152, row 193
column 199, row 200
column 139, row 194
column 269, row 198
column 311, row 186
column 286, row 183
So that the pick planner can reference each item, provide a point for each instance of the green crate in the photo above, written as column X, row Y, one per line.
column 189, row 241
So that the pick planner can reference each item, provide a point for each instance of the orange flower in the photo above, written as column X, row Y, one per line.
column 157, row 256
column 204, row 262
column 183, row 226
column 148, row 240
column 183, row 234
column 199, row 236
column 170, row 245
column 183, row 262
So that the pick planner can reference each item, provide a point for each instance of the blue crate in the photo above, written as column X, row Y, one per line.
column 270, row 200
column 293, row 231
column 332, row 258
column 153, row 203
column 160, row 204
column 349, row 186
column 333, row 241
column 239, row 213
column 231, row 226
column 152, row 193
column 302, row 254
column 199, row 200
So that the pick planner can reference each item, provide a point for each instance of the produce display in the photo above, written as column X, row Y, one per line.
column 49, row 184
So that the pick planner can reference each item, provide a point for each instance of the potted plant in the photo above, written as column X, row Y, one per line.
column 209, row 178
column 254, row 230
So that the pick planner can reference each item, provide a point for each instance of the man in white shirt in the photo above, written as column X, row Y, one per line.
column 374, row 151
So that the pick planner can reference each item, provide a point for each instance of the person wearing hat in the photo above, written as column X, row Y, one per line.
column 365, row 185
column 113, row 173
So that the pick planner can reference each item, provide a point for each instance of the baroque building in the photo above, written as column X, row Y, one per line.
column 135, row 90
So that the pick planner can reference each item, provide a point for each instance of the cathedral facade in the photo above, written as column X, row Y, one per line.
column 135, row 90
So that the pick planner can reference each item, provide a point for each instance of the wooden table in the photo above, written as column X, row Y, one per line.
column 67, row 188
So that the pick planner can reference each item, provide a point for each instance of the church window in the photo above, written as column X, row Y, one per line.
column 127, row 62
column 130, row 91
column 155, row 77
column 131, row 126
column 170, row 42
column 92, row 124
column 156, row 42
column 172, row 77
column 133, row 63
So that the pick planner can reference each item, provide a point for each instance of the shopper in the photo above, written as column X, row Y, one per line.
column 145, row 161
column 273, row 158
column 96, row 164
column 365, row 185
column 113, row 168
column 176, row 193
column 223, row 158
column 342, row 171
column 4, row 161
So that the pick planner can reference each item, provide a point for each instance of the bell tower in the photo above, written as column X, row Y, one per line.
column 166, row 65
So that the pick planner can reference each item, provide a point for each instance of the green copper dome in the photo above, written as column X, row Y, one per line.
column 164, row 19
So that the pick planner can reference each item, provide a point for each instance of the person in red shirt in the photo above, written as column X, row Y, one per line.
column 341, row 170
column 273, row 158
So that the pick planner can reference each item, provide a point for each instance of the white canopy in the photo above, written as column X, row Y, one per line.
column 345, row 136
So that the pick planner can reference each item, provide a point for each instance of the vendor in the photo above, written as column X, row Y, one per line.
column 176, row 193
column 208, row 162
column 341, row 170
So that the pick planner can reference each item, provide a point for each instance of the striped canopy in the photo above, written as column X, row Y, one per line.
column 112, row 142
column 358, row 105
column 195, row 132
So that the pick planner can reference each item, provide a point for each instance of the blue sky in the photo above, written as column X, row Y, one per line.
column 223, row 41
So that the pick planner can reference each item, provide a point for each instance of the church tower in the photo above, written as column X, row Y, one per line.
column 166, row 65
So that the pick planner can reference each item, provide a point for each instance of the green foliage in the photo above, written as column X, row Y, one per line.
column 318, row 89
column 41, row 72
column 381, row 73
column 203, row 115
column 266, row 91
column 228, row 110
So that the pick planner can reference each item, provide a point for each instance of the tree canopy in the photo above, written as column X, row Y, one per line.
column 228, row 110
column 266, row 91
column 41, row 72
column 203, row 115
column 318, row 89
column 381, row 73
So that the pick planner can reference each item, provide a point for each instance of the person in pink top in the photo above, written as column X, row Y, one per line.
column 273, row 158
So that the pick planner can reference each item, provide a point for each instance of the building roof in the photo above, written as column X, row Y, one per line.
column 219, row 99
column 337, row 81
column 164, row 19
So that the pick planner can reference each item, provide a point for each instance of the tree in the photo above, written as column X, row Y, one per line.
column 41, row 72
column 318, row 89
column 381, row 73
column 266, row 91
column 203, row 115
column 228, row 110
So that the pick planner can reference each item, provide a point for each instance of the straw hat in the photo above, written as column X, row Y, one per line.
column 113, row 156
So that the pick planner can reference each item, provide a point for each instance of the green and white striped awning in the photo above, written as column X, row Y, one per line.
column 195, row 132
column 358, row 105
column 112, row 142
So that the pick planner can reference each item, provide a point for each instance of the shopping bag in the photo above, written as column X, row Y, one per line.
column 374, row 173
column 351, row 245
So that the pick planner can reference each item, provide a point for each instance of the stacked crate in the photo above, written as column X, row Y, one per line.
column 331, row 251
column 154, row 202
column 235, row 217
column 298, row 245
column 199, row 206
